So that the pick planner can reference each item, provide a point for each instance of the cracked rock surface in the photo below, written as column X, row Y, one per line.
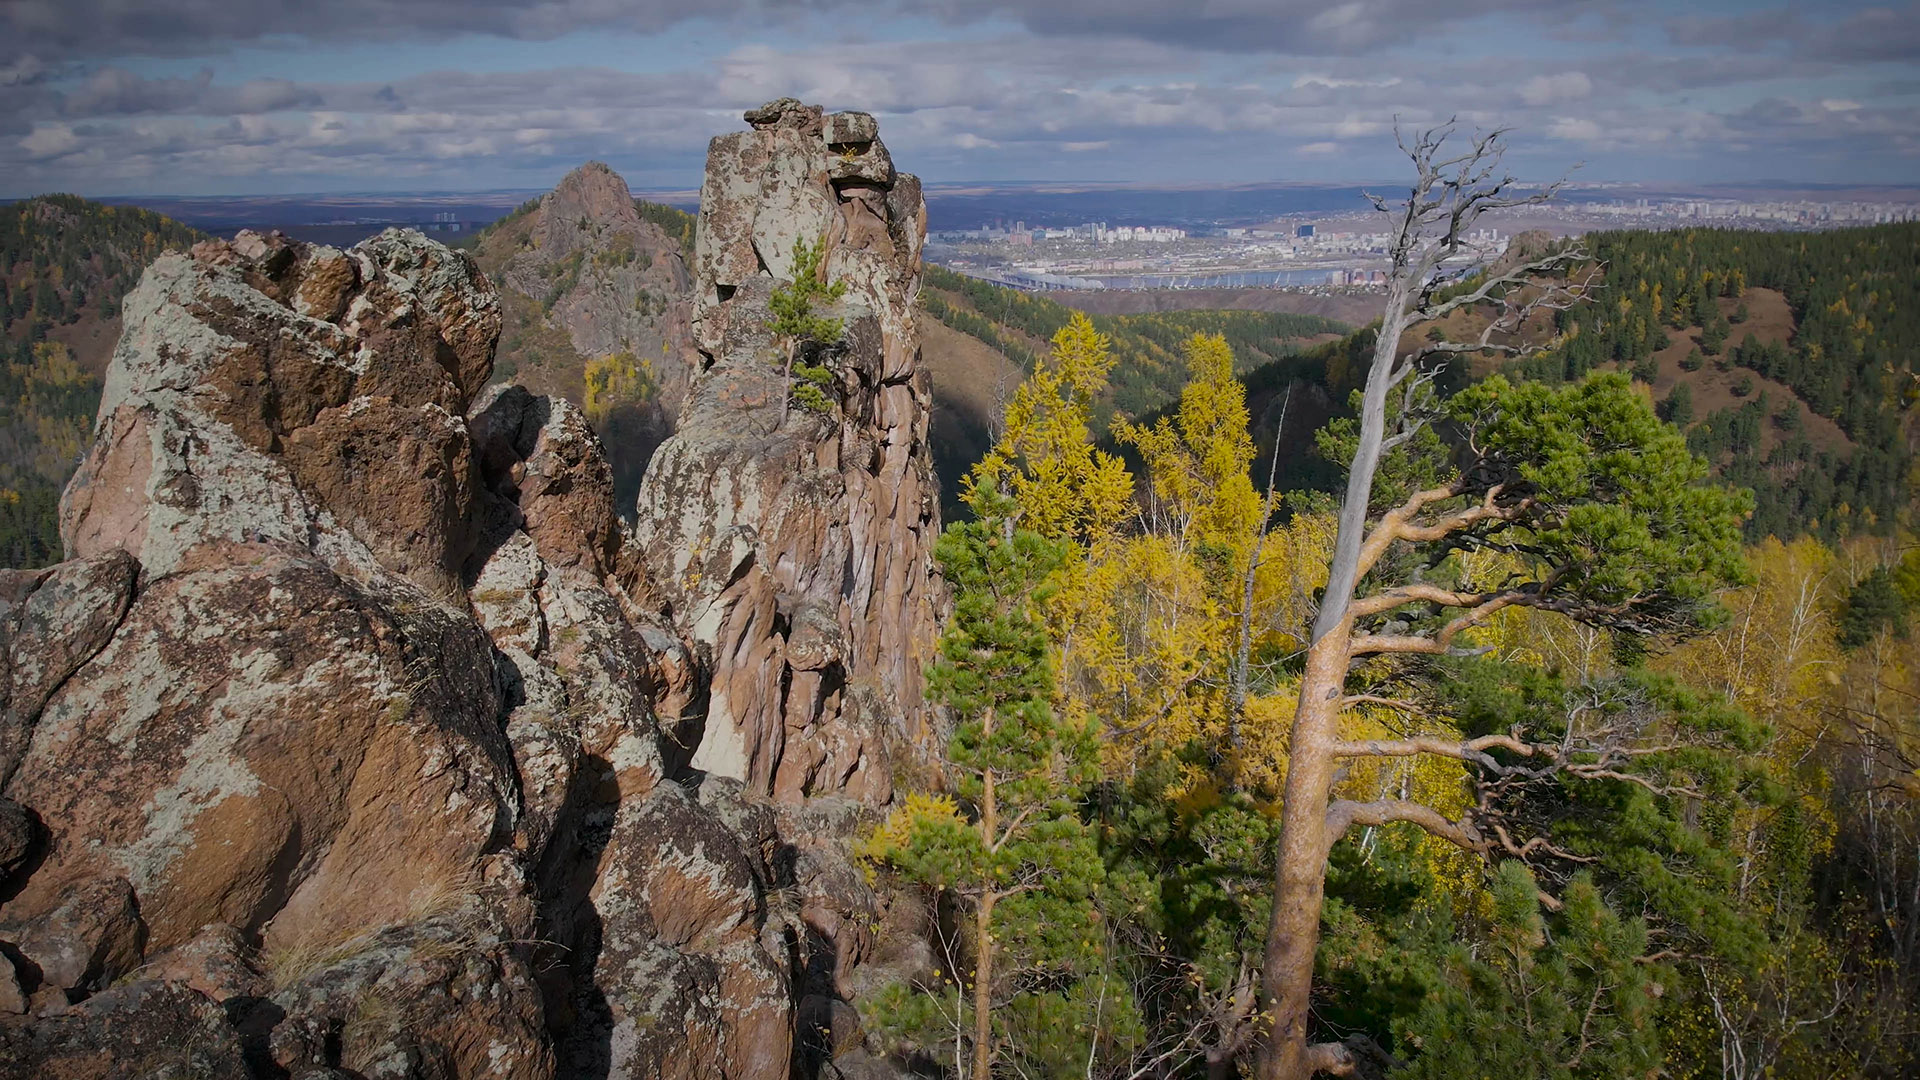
column 359, row 737
column 794, row 547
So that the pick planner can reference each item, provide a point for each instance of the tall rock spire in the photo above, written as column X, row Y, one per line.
column 794, row 546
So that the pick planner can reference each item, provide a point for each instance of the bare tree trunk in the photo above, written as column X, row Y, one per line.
column 983, row 926
column 1343, row 571
column 1299, row 887
column 983, row 989
column 1447, row 197
column 1293, row 933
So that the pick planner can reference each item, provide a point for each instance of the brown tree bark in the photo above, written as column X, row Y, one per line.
column 1446, row 199
column 983, row 989
column 1293, row 932
column 983, row 926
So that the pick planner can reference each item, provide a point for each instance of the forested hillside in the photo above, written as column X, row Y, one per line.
column 1148, row 369
column 65, row 264
column 1792, row 359
column 988, row 338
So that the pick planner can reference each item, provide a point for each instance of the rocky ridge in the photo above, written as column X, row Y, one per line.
column 359, row 737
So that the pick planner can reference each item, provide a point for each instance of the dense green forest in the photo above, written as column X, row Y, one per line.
column 1853, row 357
column 63, row 258
column 65, row 264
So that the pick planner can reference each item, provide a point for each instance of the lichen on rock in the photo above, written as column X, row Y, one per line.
column 795, row 550
column 359, row 735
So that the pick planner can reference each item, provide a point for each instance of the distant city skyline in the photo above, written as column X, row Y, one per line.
column 186, row 97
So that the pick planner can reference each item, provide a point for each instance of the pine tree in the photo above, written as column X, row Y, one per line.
column 795, row 324
column 1012, row 849
column 1677, row 409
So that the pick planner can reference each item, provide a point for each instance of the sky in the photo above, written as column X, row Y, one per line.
column 223, row 97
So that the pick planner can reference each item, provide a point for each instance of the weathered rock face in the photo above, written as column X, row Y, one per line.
column 794, row 548
column 358, row 736
column 623, row 292
column 337, row 730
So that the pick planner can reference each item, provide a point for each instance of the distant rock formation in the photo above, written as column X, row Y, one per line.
column 795, row 549
column 584, row 279
column 359, row 736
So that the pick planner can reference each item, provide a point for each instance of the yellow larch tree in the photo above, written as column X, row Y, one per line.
column 1062, row 486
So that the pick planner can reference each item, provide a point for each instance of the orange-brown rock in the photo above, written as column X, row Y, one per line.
column 134, row 1032
column 794, row 547
column 359, row 737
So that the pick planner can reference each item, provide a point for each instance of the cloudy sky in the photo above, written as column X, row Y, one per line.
column 279, row 96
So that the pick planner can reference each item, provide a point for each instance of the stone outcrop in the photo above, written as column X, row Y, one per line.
column 358, row 736
column 793, row 547
column 622, row 279
column 341, row 706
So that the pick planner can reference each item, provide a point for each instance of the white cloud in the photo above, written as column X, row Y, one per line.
column 50, row 141
column 1356, row 127
column 1553, row 89
column 1331, row 83
column 1014, row 103
column 1575, row 128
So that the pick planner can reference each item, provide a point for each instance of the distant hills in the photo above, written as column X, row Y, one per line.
column 1792, row 360
column 65, row 264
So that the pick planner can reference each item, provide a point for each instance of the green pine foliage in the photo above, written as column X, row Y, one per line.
column 1623, row 521
column 1487, row 978
column 1013, row 844
column 1854, row 356
column 1882, row 600
column 797, row 326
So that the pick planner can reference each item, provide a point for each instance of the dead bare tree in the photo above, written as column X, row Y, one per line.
column 1450, row 193
column 1240, row 673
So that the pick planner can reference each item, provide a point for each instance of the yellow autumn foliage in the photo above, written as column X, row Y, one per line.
column 1063, row 488
column 617, row 379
